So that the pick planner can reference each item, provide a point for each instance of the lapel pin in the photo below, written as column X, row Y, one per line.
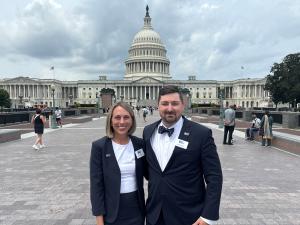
column 107, row 155
column 186, row 133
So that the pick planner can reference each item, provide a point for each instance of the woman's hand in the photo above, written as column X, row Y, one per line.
column 99, row 220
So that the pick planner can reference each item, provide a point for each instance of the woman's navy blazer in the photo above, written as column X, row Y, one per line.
column 105, row 178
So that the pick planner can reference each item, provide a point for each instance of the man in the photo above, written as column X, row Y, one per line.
column 229, row 123
column 145, row 112
column 185, row 176
column 255, row 124
column 58, row 116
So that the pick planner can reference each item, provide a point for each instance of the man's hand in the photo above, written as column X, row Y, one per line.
column 200, row 222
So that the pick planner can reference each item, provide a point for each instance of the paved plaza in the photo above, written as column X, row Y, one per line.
column 51, row 186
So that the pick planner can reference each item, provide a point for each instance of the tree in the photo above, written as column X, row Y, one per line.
column 283, row 82
column 108, row 91
column 4, row 99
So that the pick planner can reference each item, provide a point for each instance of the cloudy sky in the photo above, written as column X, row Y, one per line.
column 82, row 39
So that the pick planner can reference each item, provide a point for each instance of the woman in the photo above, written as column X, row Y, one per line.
column 117, row 166
column 266, row 129
column 38, row 120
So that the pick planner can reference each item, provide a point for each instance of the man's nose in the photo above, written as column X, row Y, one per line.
column 170, row 107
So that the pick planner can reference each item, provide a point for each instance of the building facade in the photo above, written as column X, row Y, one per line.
column 146, row 71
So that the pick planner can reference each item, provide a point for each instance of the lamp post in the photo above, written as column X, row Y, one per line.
column 53, row 122
column 122, row 97
column 221, row 97
column 98, row 102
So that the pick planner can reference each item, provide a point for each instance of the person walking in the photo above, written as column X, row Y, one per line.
column 266, row 129
column 229, row 124
column 58, row 116
column 38, row 121
column 185, row 176
column 145, row 112
column 117, row 167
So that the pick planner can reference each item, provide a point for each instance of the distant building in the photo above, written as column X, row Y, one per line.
column 147, row 70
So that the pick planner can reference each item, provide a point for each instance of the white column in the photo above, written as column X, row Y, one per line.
column 124, row 91
column 136, row 92
column 145, row 89
column 132, row 93
column 141, row 92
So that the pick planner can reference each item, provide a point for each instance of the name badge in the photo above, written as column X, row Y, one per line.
column 139, row 153
column 181, row 143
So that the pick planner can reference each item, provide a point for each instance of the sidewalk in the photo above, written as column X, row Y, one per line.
column 51, row 187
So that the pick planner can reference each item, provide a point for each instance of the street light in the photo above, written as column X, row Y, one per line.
column 221, row 97
column 98, row 102
column 53, row 122
column 122, row 97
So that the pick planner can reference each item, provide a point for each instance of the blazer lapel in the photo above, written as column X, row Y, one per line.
column 138, row 162
column 150, row 155
column 111, row 157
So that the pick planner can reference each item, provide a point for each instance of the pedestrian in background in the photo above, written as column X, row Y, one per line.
column 117, row 167
column 145, row 112
column 229, row 124
column 266, row 128
column 38, row 121
column 58, row 116
column 254, row 127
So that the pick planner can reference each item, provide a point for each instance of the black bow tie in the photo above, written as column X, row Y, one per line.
column 162, row 130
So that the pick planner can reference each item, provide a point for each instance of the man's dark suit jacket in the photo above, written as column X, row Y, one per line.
column 105, row 178
column 191, row 184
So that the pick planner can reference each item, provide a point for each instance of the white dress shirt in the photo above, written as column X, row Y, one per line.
column 163, row 147
column 126, row 161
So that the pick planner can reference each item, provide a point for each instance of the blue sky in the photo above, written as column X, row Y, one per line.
column 211, row 39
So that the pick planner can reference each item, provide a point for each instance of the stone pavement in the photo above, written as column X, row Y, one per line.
column 51, row 187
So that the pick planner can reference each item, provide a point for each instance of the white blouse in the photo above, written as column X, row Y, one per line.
column 126, row 161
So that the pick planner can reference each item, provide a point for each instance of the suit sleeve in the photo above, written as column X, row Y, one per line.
column 96, row 181
column 213, row 178
column 145, row 164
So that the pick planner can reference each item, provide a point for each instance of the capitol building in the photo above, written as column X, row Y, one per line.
column 147, row 69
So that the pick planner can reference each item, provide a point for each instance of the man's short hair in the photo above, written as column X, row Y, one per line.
column 170, row 89
column 109, row 128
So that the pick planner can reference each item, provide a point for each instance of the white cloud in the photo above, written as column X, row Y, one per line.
column 211, row 39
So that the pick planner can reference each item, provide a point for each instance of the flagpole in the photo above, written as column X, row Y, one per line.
column 53, row 72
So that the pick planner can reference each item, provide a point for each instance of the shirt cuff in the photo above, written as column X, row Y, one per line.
column 210, row 222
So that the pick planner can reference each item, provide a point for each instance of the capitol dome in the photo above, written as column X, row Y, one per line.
column 146, row 36
column 147, row 54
